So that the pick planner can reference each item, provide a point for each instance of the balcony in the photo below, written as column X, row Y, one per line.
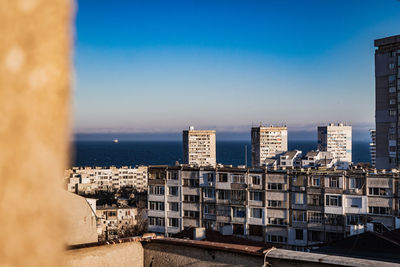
column 238, row 220
column 191, row 191
column 254, row 203
column 159, row 198
column 155, row 213
column 225, row 219
column 256, row 221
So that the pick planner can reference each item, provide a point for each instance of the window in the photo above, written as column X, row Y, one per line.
column 376, row 191
column 274, row 203
column 392, row 112
column 354, row 202
column 275, row 186
column 238, row 179
column 209, row 193
column 314, row 217
column 173, row 191
column 314, row 200
column 239, row 212
column 173, row 176
column 256, row 180
column 191, row 198
column 191, row 182
column 299, row 234
column 299, row 216
column 173, row 222
column 354, row 219
column 391, row 66
column 209, row 209
column 174, row 206
column 335, row 201
column 238, row 229
column 354, row 183
column 156, row 221
column 256, row 213
column 223, row 177
column 223, row 210
column 334, row 182
column 334, row 219
column 255, row 230
column 392, row 89
column 276, row 221
column 210, row 177
column 276, row 239
column 379, row 210
column 156, row 190
column 256, row 196
column 156, row 205
column 191, row 214
column 299, row 198
column 223, row 194
column 238, row 195
column 392, row 78
column 316, row 181
column 392, row 101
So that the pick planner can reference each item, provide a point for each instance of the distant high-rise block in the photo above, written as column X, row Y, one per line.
column 336, row 138
column 267, row 142
column 387, row 88
column 199, row 147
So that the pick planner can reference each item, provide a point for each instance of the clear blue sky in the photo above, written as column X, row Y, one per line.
column 160, row 66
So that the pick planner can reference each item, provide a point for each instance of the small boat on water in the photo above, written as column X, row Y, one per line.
column 115, row 141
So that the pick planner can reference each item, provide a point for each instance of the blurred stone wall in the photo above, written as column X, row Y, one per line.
column 35, row 74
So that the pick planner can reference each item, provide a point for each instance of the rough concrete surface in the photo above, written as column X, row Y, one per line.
column 157, row 254
column 35, row 51
column 124, row 254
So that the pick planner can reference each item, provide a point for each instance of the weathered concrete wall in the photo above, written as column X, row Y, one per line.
column 178, row 254
column 35, row 49
column 161, row 254
column 80, row 220
column 124, row 254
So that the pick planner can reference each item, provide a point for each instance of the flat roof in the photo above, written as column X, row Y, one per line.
column 387, row 40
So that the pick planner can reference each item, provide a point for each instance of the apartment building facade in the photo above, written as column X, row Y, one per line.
column 90, row 180
column 112, row 219
column 293, row 208
column 199, row 147
column 387, row 88
column 267, row 142
column 337, row 139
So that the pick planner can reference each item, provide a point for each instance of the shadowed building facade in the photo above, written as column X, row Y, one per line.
column 387, row 87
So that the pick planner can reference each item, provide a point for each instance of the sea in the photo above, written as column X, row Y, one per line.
column 132, row 153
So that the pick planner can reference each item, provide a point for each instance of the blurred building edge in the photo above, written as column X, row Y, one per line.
column 80, row 219
column 35, row 79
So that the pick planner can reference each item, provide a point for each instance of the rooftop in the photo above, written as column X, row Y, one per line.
column 387, row 40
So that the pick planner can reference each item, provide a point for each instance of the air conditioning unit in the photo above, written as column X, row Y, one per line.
column 302, row 188
column 210, row 183
column 357, row 190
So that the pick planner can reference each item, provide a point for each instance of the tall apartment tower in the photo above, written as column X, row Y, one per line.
column 387, row 94
column 267, row 142
column 372, row 147
column 199, row 147
column 336, row 138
